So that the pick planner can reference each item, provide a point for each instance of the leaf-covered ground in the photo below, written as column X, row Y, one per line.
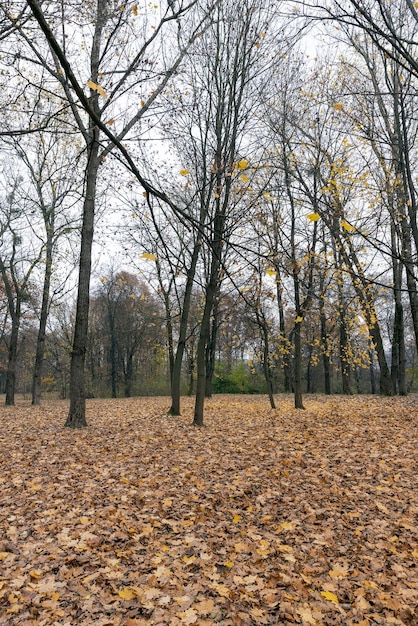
column 261, row 517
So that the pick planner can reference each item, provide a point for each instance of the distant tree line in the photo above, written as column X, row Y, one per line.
column 127, row 352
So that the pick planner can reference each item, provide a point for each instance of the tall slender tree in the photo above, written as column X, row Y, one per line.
column 138, row 71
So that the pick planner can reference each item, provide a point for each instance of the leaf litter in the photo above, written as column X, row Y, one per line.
column 261, row 517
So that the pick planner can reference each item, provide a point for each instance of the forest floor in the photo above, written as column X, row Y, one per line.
column 261, row 517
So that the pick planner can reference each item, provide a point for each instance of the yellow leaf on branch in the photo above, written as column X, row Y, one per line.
column 148, row 256
column 348, row 227
column 94, row 87
column 184, row 172
column 268, row 196
column 313, row 217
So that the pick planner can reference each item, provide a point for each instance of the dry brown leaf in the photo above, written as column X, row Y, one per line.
column 249, row 518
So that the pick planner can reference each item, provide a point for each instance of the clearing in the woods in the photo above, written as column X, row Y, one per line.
column 261, row 517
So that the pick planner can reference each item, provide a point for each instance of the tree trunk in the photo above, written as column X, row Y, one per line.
column 77, row 413
column 283, row 342
column 14, row 297
column 43, row 318
column 385, row 382
column 201, row 348
column 398, row 372
column 344, row 353
column 170, row 341
column 178, row 360
column 309, row 378
column 111, row 319
column 191, row 376
column 129, row 375
column 211, row 348
column 12, row 360
column 113, row 366
column 412, row 287
column 325, row 345
column 297, row 339
column 398, row 365
column 211, row 293
column 405, row 193
column 373, row 388
column 266, row 359
column 297, row 367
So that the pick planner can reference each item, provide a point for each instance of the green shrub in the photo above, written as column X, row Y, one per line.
column 239, row 379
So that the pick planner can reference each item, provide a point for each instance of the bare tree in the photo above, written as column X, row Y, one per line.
column 18, row 259
column 117, row 75
column 49, row 165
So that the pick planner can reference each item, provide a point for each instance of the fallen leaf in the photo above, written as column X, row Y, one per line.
column 126, row 594
column 328, row 595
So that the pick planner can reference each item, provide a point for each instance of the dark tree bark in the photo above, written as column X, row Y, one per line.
column 43, row 317
column 191, row 374
column 12, row 357
column 112, row 333
column 263, row 326
column 297, row 367
column 184, row 318
column 16, row 292
column 398, row 362
column 325, row 348
column 211, row 293
column 77, row 413
column 129, row 370
column 40, row 343
column 283, row 341
column 344, row 348
column 211, row 347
